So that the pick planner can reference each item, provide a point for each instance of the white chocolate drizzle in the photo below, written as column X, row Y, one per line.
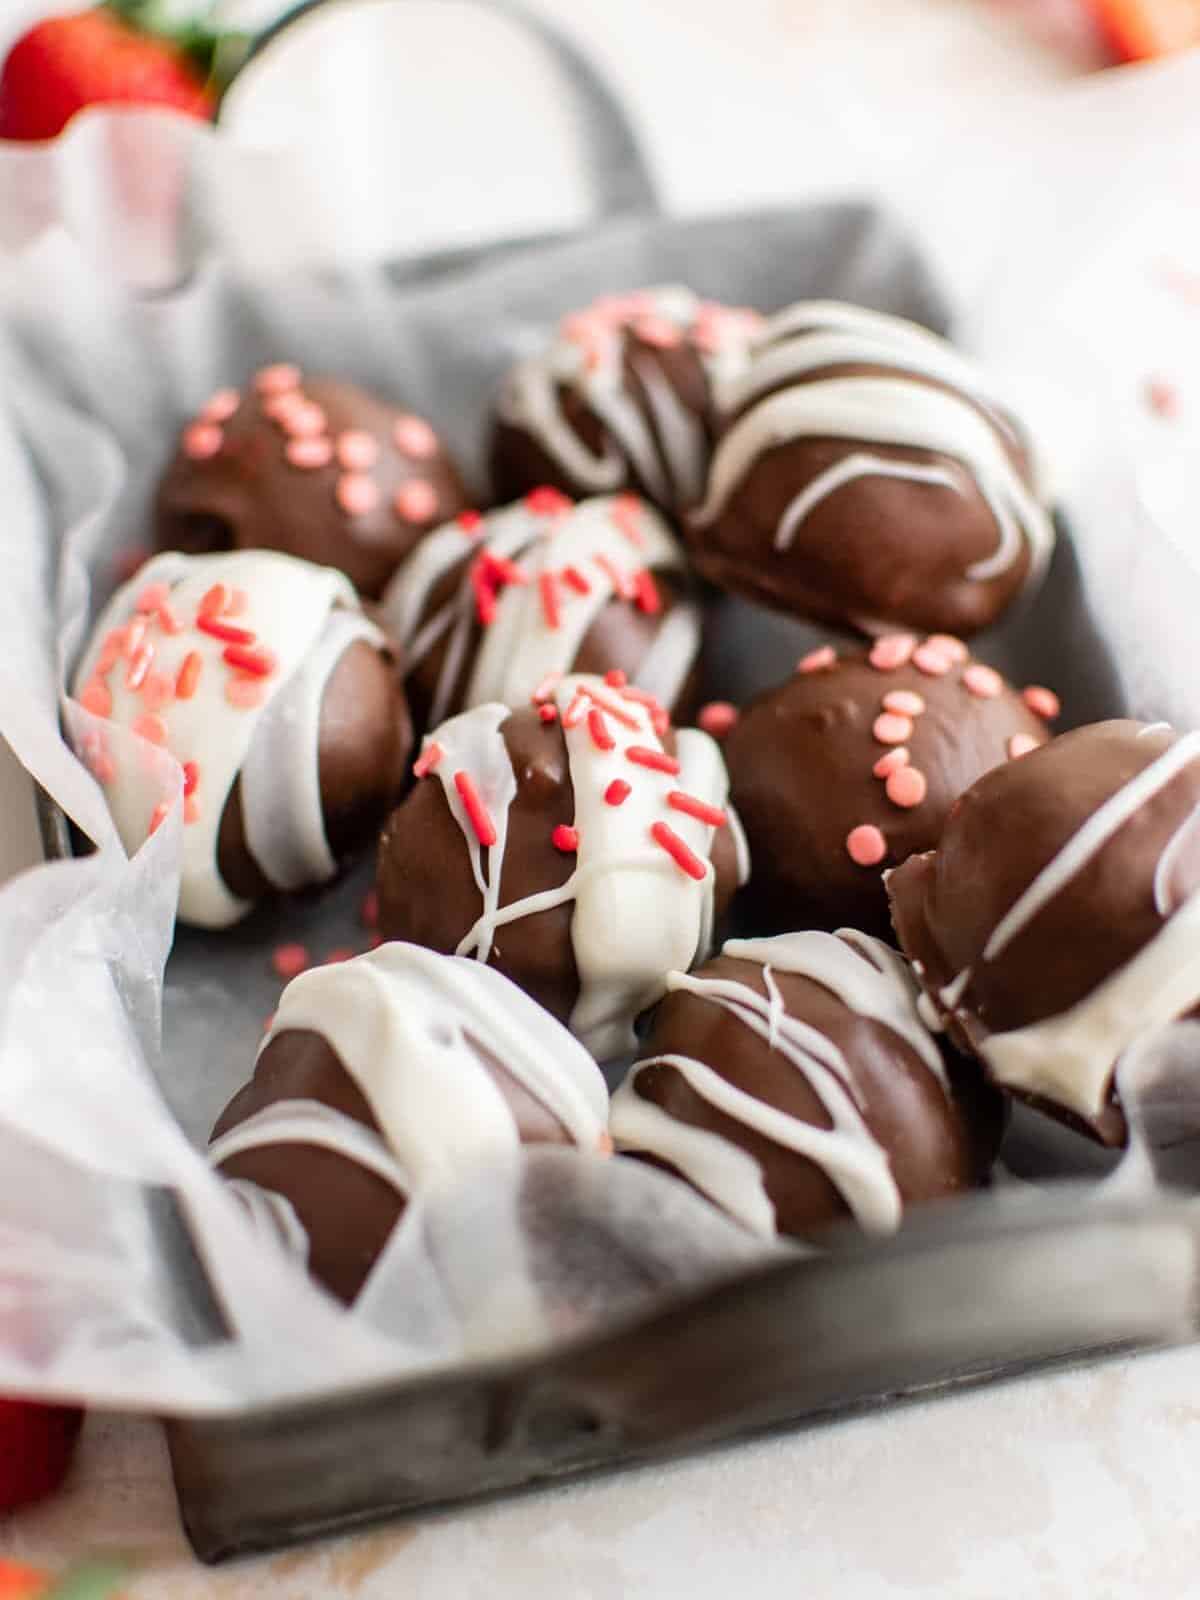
column 520, row 648
column 867, row 978
column 1187, row 833
column 290, row 609
column 781, row 396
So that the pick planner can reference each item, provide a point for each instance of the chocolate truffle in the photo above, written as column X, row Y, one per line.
column 581, row 847
column 792, row 1081
column 1058, row 919
column 388, row 1074
column 261, row 676
column 489, row 608
column 622, row 398
column 866, row 474
column 852, row 765
column 315, row 467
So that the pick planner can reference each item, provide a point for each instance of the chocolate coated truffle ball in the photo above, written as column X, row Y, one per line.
column 261, row 675
column 865, row 474
column 386, row 1074
column 852, row 765
column 315, row 467
column 489, row 608
column 622, row 398
column 792, row 1082
column 581, row 847
column 1058, row 918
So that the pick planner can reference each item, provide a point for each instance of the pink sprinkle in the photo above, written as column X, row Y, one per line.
column 1163, row 398
column 110, row 651
column 576, row 711
column 304, row 422
column 275, row 379
column 189, row 675
column 1042, row 702
column 892, row 651
column 192, row 810
column 718, row 718
column 167, row 619
column 150, row 727
column 646, row 592
column 157, row 817
column 547, row 687
column 984, row 682
column 139, row 666
column 343, row 952
column 903, row 701
column 357, row 450
column 891, row 762
column 657, row 331
column 626, row 511
column 892, row 729
column 565, row 839
column 280, row 406
column 622, row 582
column 948, row 644
column 416, row 501
column 932, row 662
column 158, row 690
column 906, row 787
column 369, row 911
column 202, row 441
column 309, row 454
column 289, row 960
column 819, row 660
column 245, row 693
column 220, row 406
column 152, row 597
column 617, row 792
column 357, row 495
column 237, row 602
column 1021, row 744
column 135, row 634
column 428, row 759
column 415, row 437
column 96, row 698
column 866, row 846
column 598, row 729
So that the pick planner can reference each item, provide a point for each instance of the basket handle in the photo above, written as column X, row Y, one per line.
column 615, row 166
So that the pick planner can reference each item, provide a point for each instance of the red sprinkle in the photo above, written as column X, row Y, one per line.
column 502, row 570
column 214, row 601
column 191, row 777
column 683, row 856
column 139, row 666
column 983, row 682
column 471, row 523
column 934, row 663
column 617, row 792
column 646, row 590
column 548, row 712
column 158, row 690
column 153, row 596
column 547, row 502
column 150, row 727
column 565, row 839
column 157, row 817
column 906, row 787
column 168, row 621
column 189, row 675
column 866, row 845
column 477, row 813
column 485, row 595
column 1042, row 702
column 718, row 718
column 1021, row 744
column 191, row 809
column 700, row 809
column 626, row 509
column 615, row 678
column 96, row 698
column 227, row 632
column 547, row 687
column 576, row 579
column 260, row 663
column 891, row 762
column 598, row 728
column 551, row 608
column 428, row 759
column 892, row 729
column 904, row 702
column 237, row 603
column 624, row 585
column 290, row 960
column 656, row 760
column 819, row 660
column 369, row 910
column 613, row 707
column 892, row 650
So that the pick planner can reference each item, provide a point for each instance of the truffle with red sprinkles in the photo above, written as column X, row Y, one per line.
column 312, row 466
column 792, row 1082
column 488, row 608
column 583, row 856
column 383, row 1075
column 621, row 398
column 852, row 765
column 866, row 474
column 1058, row 920
column 260, row 674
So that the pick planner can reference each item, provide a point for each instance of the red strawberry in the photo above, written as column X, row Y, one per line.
column 36, row 1445
column 18, row 1582
column 92, row 58
column 1139, row 29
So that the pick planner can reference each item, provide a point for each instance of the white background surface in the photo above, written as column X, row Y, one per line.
column 1085, row 1484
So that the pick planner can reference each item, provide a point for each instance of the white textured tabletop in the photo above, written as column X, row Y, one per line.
column 1083, row 1484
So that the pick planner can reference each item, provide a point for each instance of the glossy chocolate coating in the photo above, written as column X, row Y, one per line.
column 879, row 550
column 428, row 896
column 250, row 496
column 800, row 764
column 347, row 1211
column 937, row 1146
column 946, row 904
column 363, row 743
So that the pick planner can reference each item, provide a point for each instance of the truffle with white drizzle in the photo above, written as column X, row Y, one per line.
column 277, row 696
column 313, row 466
column 866, row 473
column 489, row 607
column 621, row 398
column 1059, row 917
column 385, row 1076
column 793, row 1083
column 580, row 845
